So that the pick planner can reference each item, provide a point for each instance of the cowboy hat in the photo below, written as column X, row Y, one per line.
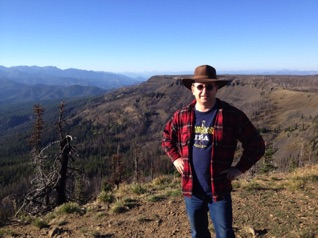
column 204, row 74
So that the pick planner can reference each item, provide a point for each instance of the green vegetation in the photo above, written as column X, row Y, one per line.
column 267, row 163
column 119, row 207
column 128, row 123
column 10, row 233
column 40, row 223
column 268, row 205
column 138, row 189
column 106, row 197
column 156, row 198
column 129, row 196
column 69, row 208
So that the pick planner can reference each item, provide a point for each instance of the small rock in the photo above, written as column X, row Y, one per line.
column 55, row 231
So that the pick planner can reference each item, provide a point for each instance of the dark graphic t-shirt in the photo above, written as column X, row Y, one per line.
column 202, row 148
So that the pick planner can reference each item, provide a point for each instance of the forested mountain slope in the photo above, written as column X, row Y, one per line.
column 129, row 121
column 284, row 108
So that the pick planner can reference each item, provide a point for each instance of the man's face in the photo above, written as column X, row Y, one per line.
column 204, row 93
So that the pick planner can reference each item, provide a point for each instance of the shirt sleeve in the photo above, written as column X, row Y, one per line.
column 170, row 139
column 252, row 143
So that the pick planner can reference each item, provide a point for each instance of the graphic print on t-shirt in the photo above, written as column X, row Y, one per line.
column 203, row 135
column 202, row 150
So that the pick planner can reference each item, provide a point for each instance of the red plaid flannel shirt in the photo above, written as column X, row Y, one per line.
column 231, row 125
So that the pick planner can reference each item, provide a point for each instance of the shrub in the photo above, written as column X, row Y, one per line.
column 106, row 197
column 156, row 198
column 69, row 208
column 106, row 186
column 161, row 180
column 295, row 184
column 40, row 223
column 118, row 207
column 121, row 206
column 138, row 189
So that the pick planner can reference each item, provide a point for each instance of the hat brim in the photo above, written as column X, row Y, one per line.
column 187, row 82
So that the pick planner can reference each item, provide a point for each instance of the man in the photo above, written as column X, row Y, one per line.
column 201, row 139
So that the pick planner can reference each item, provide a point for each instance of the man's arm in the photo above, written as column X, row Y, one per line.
column 169, row 141
column 252, row 143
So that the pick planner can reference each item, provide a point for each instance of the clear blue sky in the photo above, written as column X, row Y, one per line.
column 162, row 35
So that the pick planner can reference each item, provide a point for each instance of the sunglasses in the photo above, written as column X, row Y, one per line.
column 200, row 87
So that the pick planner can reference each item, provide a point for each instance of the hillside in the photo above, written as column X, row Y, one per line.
column 284, row 108
column 275, row 205
column 129, row 121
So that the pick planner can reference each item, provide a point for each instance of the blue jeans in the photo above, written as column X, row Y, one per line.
column 220, row 214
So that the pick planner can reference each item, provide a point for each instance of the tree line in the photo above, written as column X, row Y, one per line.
column 115, row 152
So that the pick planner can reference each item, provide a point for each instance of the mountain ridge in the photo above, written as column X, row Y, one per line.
column 33, row 83
column 51, row 75
column 13, row 92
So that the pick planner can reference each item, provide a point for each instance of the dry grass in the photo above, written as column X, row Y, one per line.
column 278, row 205
column 269, row 205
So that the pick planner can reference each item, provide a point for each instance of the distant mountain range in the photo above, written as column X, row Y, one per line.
column 33, row 83
column 50, row 75
column 222, row 72
column 270, row 72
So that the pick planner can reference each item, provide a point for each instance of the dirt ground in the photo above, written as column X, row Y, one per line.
column 150, row 219
column 269, row 206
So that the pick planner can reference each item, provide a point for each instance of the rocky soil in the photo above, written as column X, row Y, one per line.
column 275, row 205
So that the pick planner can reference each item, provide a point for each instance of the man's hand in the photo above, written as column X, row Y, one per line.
column 178, row 163
column 232, row 173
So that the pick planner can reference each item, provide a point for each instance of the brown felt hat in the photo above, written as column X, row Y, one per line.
column 204, row 74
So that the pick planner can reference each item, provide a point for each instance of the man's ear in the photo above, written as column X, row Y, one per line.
column 192, row 89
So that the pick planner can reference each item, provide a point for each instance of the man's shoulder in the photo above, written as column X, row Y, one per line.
column 231, row 111
column 184, row 112
column 225, row 105
column 186, row 108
